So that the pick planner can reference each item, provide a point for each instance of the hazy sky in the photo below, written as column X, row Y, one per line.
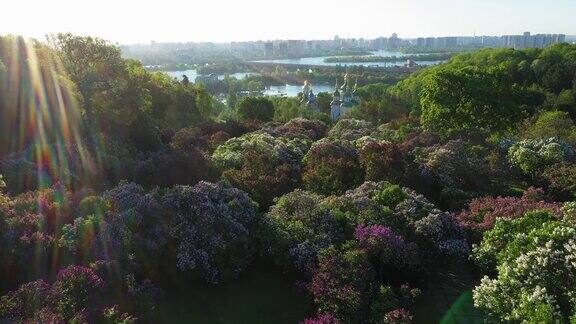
column 129, row 21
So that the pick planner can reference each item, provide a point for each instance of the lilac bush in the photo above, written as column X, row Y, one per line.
column 137, row 219
column 125, row 224
column 332, row 167
column 388, row 247
column 456, row 164
column 75, row 289
column 322, row 319
column 213, row 226
column 351, row 129
column 25, row 301
column 532, row 156
column 300, row 127
column 344, row 285
column 443, row 232
column 482, row 213
column 535, row 260
column 297, row 227
column 398, row 316
column 78, row 295
column 261, row 164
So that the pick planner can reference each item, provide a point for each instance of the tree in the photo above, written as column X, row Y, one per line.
column 469, row 99
column 552, row 124
column 256, row 108
column 324, row 99
column 92, row 64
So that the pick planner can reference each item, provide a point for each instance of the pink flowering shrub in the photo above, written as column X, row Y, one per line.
column 31, row 223
column 344, row 285
column 398, row 316
column 76, row 288
column 78, row 295
column 25, row 301
column 389, row 248
column 482, row 212
column 75, row 294
column 322, row 319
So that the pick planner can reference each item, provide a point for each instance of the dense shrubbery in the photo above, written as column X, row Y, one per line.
column 298, row 226
column 212, row 227
column 381, row 160
column 261, row 164
column 533, row 156
column 483, row 212
column 79, row 294
column 463, row 137
column 332, row 167
column 535, row 258
column 351, row 129
column 353, row 245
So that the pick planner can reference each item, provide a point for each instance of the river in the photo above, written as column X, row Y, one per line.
column 319, row 61
column 293, row 90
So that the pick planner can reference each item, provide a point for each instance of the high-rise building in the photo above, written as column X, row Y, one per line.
column 393, row 41
column 269, row 49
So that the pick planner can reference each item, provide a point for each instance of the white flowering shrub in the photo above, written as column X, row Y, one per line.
column 532, row 156
column 535, row 260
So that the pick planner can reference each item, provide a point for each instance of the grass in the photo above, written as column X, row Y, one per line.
column 262, row 295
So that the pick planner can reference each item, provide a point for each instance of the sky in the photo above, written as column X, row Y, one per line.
column 130, row 21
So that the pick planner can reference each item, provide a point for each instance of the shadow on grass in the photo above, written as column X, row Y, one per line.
column 263, row 294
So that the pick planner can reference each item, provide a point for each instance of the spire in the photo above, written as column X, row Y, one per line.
column 336, row 94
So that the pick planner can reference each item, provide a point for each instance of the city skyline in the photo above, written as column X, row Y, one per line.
column 129, row 22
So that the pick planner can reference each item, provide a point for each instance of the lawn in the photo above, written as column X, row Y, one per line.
column 264, row 294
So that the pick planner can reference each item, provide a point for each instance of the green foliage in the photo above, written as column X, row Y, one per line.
column 549, row 124
column 378, row 105
column 390, row 196
column 255, row 108
column 566, row 101
column 332, row 167
column 286, row 109
column 469, row 99
column 491, row 89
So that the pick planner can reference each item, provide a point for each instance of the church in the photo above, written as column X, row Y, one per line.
column 343, row 98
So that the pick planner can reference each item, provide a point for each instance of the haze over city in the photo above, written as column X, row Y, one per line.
column 128, row 22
